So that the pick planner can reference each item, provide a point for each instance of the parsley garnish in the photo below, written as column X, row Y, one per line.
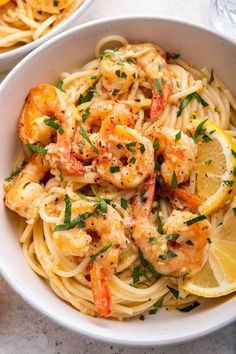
column 169, row 254
column 212, row 78
column 175, row 55
column 136, row 274
column 190, row 307
column 55, row 3
column 16, row 172
column 51, row 123
column 173, row 291
column 85, row 114
column 114, row 169
column 37, row 148
column 94, row 77
column 122, row 75
column 156, row 144
column 208, row 162
column 178, row 136
column 129, row 146
column 60, row 174
column 233, row 153
column 199, row 131
column 148, row 265
column 158, row 86
column 130, row 61
column 86, row 137
column 228, row 183
column 60, row 85
column 87, row 97
column 152, row 239
column 174, row 183
column 123, row 203
column 172, row 237
column 133, row 160
column 67, row 210
column 102, row 250
column 234, row 211
column 119, row 146
column 115, row 92
column 189, row 98
column 25, row 185
column 142, row 148
column 194, row 220
column 209, row 240
column 142, row 318
column 189, row 242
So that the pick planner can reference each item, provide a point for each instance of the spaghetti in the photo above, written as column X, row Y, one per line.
column 24, row 21
column 135, row 286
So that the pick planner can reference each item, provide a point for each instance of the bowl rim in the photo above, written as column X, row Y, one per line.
column 26, row 48
column 3, row 270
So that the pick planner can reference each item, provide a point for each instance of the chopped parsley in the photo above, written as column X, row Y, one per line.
column 16, row 172
column 189, row 242
column 123, row 203
column 60, row 174
column 168, row 255
column 94, row 77
column 234, row 171
column 152, row 239
column 233, row 153
column 130, row 61
column 212, row 78
column 199, row 131
column 209, row 240
column 122, row 75
column 148, row 265
column 208, row 162
column 158, row 86
column 172, row 237
column 142, row 318
column 86, row 137
column 175, row 56
column 173, row 291
column 25, row 185
column 119, row 146
column 114, row 169
column 228, row 183
column 133, row 160
column 174, row 182
column 194, row 220
column 136, row 274
column 55, row 3
column 85, row 114
column 67, row 219
column 178, row 136
column 88, row 96
column 115, row 92
column 189, row 308
column 102, row 250
column 156, row 145
column 188, row 99
column 60, row 85
column 142, row 148
column 51, row 123
column 234, row 211
column 129, row 146
column 37, row 148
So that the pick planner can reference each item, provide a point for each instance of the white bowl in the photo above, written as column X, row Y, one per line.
column 10, row 58
column 69, row 51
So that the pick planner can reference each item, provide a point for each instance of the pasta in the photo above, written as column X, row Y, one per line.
column 135, row 285
column 22, row 21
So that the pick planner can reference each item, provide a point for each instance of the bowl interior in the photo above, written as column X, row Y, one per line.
column 67, row 52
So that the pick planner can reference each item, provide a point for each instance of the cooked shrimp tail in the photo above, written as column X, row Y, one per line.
column 181, row 198
column 101, row 290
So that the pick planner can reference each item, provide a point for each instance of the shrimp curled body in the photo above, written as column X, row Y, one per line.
column 25, row 194
column 182, row 249
column 44, row 102
column 107, row 230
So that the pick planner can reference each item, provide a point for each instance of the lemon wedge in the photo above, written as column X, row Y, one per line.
column 215, row 166
column 218, row 276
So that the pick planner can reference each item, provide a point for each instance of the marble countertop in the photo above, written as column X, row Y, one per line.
column 25, row 331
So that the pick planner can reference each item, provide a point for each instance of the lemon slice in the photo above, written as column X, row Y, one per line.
column 215, row 168
column 218, row 276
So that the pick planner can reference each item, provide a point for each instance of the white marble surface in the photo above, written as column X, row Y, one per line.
column 22, row 329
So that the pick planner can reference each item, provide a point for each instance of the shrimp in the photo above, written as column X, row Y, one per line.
column 117, row 73
column 178, row 156
column 25, row 194
column 182, row 249
column 156, row 69
column 102, row 238
column 50, row 6
column 125, row 157
column 94, row 116
column 46, row 101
